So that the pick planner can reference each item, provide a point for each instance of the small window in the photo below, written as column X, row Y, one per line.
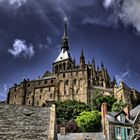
column 129, row 131
column 118, row 130
column 45, row 82
column 41, row 90
column 50, row 95
column 74, row 82
column 51, row 81
column 39, row 83
column 67, row 82
column 28, row 85
column 29, row 102
column 63, row 75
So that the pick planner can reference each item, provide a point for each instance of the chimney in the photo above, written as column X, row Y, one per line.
column 103, row 114
column 127, row 111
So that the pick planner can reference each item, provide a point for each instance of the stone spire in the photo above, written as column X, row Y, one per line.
column 64, row 54
column 82, row 59
column 65, row 37
column 102, row 65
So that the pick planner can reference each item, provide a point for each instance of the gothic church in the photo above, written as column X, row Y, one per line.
column 67, row 80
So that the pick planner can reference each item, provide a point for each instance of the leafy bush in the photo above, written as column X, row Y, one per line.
column 98, row 99
column 118, row 106
column 69, row 109
column 89, row 121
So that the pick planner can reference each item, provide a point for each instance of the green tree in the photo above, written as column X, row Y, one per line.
column 98, row 99
column 89, row 121
column 69, row 109
column 118, row 106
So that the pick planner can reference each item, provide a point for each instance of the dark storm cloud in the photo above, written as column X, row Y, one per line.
column 33, row 20
column 95, row 25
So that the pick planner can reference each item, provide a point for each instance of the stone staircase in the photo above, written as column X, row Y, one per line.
column 24, row 123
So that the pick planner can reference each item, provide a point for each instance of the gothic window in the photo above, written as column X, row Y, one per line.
column 66, row 87
column 60, row 67
column 64, row 66
column 74, row 82
column 69, row 66
column 56, row 69
column 50, row 95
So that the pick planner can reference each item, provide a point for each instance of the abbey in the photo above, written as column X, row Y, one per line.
column 68, row 80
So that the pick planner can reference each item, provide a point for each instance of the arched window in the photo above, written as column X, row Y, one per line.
column 66, row 87
column 64, row 66
column 56, row 69
column 60, row 67
column 74, row 81
column 75, row 86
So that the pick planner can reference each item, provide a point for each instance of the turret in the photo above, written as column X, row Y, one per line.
column 82, row 60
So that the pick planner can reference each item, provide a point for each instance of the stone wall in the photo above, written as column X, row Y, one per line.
column 69, row 85
column 82, row 136
column 27, row 123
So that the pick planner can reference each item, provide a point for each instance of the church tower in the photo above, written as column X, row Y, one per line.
column 64, row 61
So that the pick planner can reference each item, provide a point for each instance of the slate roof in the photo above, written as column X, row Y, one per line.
column 111, row 117
column 64, row 54
column 24, row 122
column 134, row 111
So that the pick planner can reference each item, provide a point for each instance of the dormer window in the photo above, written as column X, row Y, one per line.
column 121, row 118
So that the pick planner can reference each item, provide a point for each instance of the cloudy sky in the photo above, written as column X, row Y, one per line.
column 31, row 31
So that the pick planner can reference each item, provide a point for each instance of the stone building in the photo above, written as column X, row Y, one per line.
column 126, row 94
column 123, row 125
column 117, row 125
column 69, row 80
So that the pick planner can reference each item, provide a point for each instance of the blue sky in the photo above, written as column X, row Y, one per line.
column 31, row 32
